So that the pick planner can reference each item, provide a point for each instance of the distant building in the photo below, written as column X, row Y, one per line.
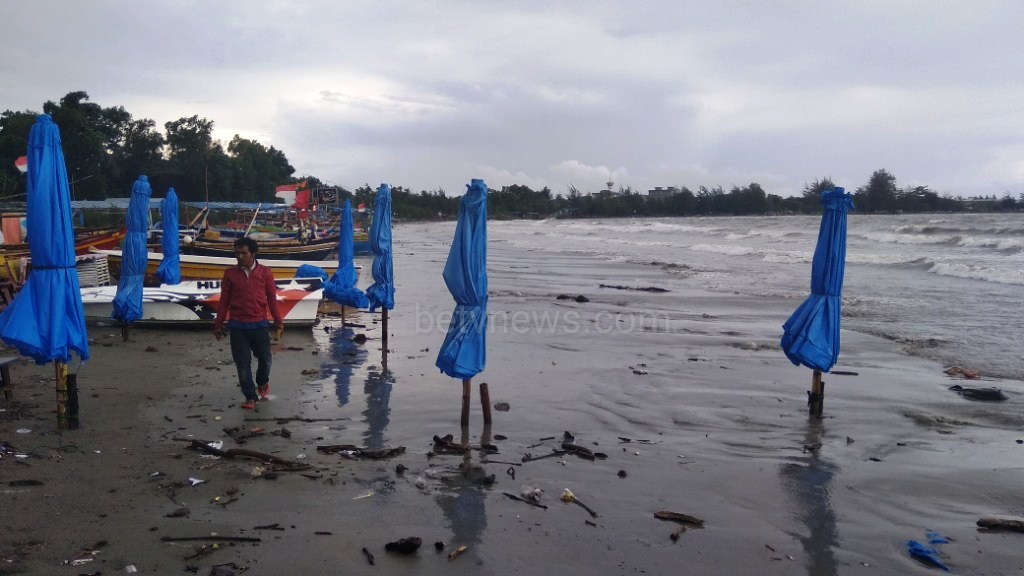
column 659, row 192
column 607, row 192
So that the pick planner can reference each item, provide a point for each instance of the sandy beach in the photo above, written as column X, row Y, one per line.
column 686, row 393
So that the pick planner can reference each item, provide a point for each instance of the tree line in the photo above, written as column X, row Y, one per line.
column 106, row 149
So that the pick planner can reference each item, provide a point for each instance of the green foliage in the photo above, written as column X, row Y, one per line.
column 106, row 149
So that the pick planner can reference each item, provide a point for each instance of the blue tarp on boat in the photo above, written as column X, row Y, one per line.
column 46, row 320
column 463, row 353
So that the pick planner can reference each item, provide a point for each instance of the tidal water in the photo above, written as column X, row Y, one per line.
column 944, row 286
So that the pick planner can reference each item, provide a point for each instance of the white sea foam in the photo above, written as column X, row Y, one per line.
column 891, row 238
column 1001, row 244
column 987, row 274
column 728, row 249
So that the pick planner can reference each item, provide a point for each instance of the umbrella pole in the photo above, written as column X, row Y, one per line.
column 466, row 391
column 816, row 397
column 61, row 371
column 485, row 403
column 384, row 339
column 124, row 332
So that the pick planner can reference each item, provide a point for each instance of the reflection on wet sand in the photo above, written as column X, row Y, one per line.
column 463, row 502
column 345, row 355
column 378, row 409
column 810, row 484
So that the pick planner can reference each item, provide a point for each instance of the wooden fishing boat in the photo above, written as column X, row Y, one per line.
column 267, row 250
column 12, row 255
column 212, row 267
column 195, row 303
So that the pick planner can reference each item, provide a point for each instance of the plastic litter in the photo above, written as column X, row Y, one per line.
column 926, row 555
column 23, row 430
column 196, row 481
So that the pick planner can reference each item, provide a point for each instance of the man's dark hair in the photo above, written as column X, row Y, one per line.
column 248, row 243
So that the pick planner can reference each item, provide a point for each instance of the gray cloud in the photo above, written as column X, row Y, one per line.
column 429, row 95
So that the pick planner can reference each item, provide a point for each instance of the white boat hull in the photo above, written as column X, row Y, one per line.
column 194, row 303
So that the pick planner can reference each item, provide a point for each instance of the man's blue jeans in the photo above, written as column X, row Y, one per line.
column 246, row 343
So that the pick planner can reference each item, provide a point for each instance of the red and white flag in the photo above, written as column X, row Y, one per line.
column 361, row 208
column 21, row 164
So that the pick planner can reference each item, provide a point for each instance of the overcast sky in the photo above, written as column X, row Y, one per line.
column 643, row 93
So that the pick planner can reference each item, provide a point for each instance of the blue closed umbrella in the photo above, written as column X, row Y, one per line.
column 128, row 300
column 463, row 353
column 382, row 292
column 811, row 335
column 341, row 288
column 46, row 320
column 169, row 271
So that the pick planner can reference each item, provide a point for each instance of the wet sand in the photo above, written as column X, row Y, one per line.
column 698, row 377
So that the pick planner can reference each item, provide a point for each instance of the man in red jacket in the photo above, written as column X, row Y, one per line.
column 247, row 291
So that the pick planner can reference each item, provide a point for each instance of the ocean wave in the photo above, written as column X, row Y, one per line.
column 882, row 259
column 774, row 234
column 727, row 249
column 983, row 273
column 900, row 238
column 1011, row 245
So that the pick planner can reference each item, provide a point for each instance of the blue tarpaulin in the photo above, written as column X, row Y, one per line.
column 128, row 300
column 341, row 288
column 464, row 351
column 311, row 271
column 169, row 271
column 382, row 292
column 46, row 320
column 811, row 335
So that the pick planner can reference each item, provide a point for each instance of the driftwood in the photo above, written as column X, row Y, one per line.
column 244, row 453
column 530, row 457
column 637, row 289
column 447, row 445
column 677, row 517
column 295, row 419
column 368, row 453
column 1000, row 524
column 210, row 539
column 521, row 499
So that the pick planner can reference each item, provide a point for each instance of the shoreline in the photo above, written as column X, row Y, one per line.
column 714, row 412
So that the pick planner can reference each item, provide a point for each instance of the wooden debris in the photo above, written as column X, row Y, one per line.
column 521, row 499
column 368, row 453
column 1000, row 524
column 209, row 539
column 457, row 552
column 279, row 463
column 369, row 557
column 678, row 517
column 637, row 288
column 677, row 533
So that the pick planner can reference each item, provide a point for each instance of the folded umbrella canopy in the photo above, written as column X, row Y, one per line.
column 46, row 320
column 811, row 335
column 381, row 293
column 463, row 353
column 128, row 300
column 341, row 288
column 169, row 271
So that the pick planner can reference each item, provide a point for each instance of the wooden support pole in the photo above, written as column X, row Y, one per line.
column 816, row 398
column 384, row 339
column 485, row 403
column 466, row 391
column 61, row 372
column 124, row 332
